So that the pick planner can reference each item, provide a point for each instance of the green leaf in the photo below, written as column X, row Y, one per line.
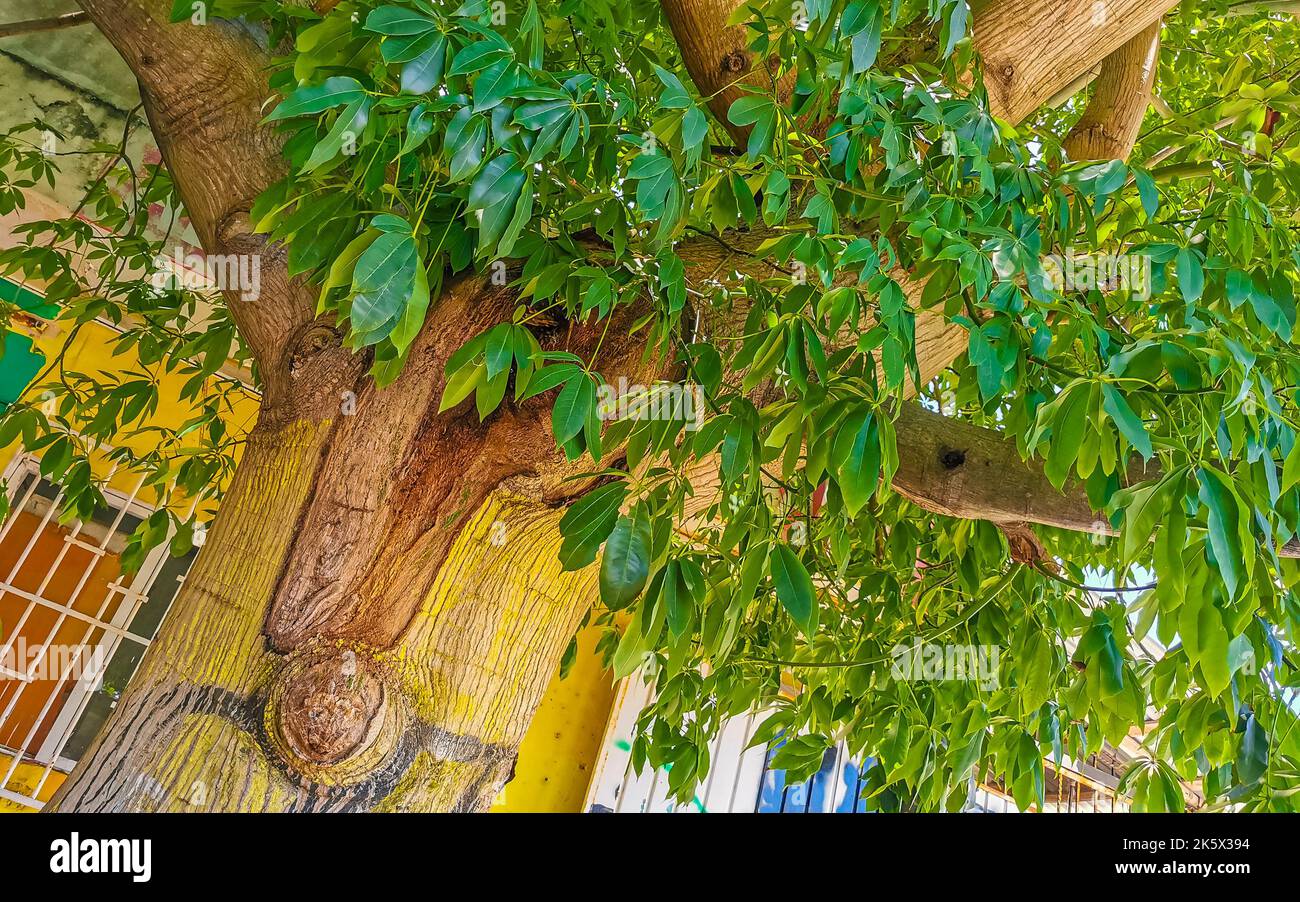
column 955, row 26
column 695, row 128
column 1224, row 527
column 419, row 125
column 460, row 384
column 867, row 25
column 496, row 191
column 382, row 283
column 655, row 179
column 489, row 392
column 587, row 524
column 856, row 460
column 1104, row 657
column 1291, row 468
column 748, row 109
column 1036, row 671
column 538, row 114
column 497, row 183
column 1213, row 657
column 1144, row 506
column 794, row 588
column 1148, row 193
column 1191, row 279
column 408, row 47
column 465, row 143
column 412, row 319
column 476, row 57
column 1252, row 754
column 424, row 73
column 1271, row 314
column 312, row 99
column 549, row 377
column 677, row 598
column 674, row 96
column 397, row 20
column 625, row 565
column 758, row 112
column 500, row 349
column 344, row 266
column 350, row 122
column 532, row 31
column 1239, row 287
column 571, row 409
column 985, row 358
column 1128, row 423
column 494, row 85
column 1068, row 427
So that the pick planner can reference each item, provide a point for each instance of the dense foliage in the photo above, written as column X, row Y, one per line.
column 565, row 139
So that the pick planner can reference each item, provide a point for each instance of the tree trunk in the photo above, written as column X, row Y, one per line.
column 348, row 638
column 354, row 634
column 357, row 633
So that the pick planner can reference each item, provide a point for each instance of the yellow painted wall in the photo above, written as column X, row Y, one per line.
column 558, row 754
column 24, row 782
column 91, row 352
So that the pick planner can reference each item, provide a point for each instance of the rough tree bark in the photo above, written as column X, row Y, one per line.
column 1120, row 97
column 349, row 638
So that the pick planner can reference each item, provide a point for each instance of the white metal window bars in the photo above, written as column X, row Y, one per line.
column 23, row 475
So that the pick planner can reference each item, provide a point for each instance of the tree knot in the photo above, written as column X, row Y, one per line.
column 235, row 232
column 735, row 61
column 314, row 338
column 1024, row 544
column 331, row 709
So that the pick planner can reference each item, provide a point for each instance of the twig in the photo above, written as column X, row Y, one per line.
column 1099, row 589
column 49, row 23
column 936, row 633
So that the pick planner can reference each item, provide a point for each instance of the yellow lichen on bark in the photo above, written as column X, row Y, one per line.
column 501, row 604
column 433, row 723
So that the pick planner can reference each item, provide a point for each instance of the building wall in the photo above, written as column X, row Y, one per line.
column 558, row 755
column 24, row 781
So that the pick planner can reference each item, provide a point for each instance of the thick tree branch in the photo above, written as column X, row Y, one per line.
column 1033, row 49
column 717, row 56
column 1006, row 34
column 947, row 466
column 958, row 469
column 204, row 88
column 962, row 470
column 1110, row 125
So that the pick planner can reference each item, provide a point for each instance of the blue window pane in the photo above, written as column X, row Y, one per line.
column 796, row 799
column 848, row 787
column 841, row 786
column 771, row 791
column 822, row 783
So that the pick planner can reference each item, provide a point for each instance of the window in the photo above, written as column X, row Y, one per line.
column 73, row 627
column 836, row 787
